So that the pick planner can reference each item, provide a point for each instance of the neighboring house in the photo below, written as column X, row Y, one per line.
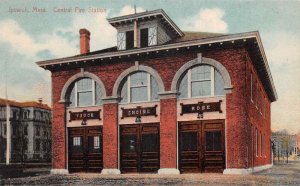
column 162, row 101
column 30, row 131
column 284, row 143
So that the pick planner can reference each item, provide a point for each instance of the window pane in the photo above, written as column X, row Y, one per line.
column 138, row 79
column 150, row 143
column 189, row 141
column 129, row 40
column 183, row 87
column 84, row 84
column 129, row 143
column 121, row 41
column 201, row 72
column 144, row 37
column 98, row 94
column 213, row 141
column 219, row 84
column 94, row 143
column 139, row 94
column 124, row 94
column 201, row 88
column 154, row 89
column 71, row 96
column 85, row 98
column 77, row 144
column 152, row 36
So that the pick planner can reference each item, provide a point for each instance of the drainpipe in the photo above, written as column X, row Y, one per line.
column 246, row 113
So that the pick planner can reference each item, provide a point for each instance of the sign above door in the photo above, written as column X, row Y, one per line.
column 201, row 107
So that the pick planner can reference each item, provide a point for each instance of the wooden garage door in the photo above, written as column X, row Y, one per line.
column 202, row 146
column 85, row 149
column 139, row 148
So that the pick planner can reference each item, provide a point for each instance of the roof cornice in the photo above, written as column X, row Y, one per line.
column 198, row 42
column 218, row 39
column 141, row 15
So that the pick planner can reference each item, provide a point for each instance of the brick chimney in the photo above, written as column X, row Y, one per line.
column 84, row 41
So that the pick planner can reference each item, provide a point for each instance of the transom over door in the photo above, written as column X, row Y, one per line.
column 202, row 146
column 139, row 148
column 85, row 149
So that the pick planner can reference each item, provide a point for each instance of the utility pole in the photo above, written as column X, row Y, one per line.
column 278, row 151
column 8, row 134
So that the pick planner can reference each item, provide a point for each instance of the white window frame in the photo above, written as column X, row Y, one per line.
column 260, row 101
column 77, row 141
column 265, row 149
column 96, row 142
column 256, row 96
column 149, row 95
column 256, row 144
column 260, row 144
column 251, row 88
column 150, row 38
column 149, row 89
column 119, row 39
column 212, row 85
column 93, row 93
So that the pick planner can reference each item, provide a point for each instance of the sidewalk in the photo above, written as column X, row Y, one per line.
column 287, row 174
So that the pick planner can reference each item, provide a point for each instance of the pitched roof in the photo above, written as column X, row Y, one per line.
column 188, row 36
column 34, row 104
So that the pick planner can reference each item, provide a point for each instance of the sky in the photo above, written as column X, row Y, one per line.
column 29, row 36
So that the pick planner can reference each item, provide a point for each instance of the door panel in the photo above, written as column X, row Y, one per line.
column 149, row 148
column 201, row 146
column 189, row 154
column 214, row 150
column 85, row 149
column 76, row 150
column 139, row 148
column 129, row 149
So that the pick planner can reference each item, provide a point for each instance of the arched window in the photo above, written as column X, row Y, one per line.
column 201, row 81
column 84, row 92
column 139, row 87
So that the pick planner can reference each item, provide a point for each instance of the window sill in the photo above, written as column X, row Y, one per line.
column 84, row 106
column 140, row 102
column 202, row 97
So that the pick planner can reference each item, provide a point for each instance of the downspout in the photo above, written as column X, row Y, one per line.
column 246, row 113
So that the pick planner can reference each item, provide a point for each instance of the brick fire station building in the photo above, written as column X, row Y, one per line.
column 162, row 101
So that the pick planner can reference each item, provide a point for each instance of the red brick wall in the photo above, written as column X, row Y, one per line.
column 236, row 61
column 258, row 121
column 168, row 123
column 58, row 124
column 110, row 136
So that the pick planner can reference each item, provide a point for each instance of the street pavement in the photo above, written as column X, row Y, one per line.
column 283, row 174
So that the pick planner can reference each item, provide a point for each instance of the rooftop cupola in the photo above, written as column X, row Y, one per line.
column 144, row 29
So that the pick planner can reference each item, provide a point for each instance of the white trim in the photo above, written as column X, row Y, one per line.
column 110, row 171
column 226, row 150
column 128, row 89
column 212, row 81
column 189, row 78
column 247, row 171
column 256, row 142
column 82, row 74
column 220, row 39
column 137, row 68
column 75, row 95
column 59, row 171
column 93, row 92
column 251, row 87
column 204, row 61
column 149, row 87
column 168, row 171
column 177, row 145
